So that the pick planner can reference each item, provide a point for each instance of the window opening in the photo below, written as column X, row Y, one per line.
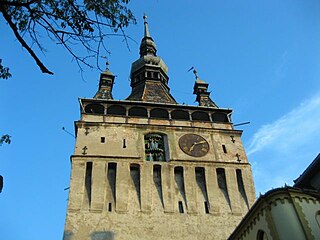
column 179, row 179
column 138, row 112
column 200, row 116
column 201, row 182
column 157, row 181
column 116, row 110
column 88, row 180
column 124, row 144
column 135, row 175
column 103, row 140
column 180, row 206
column 110, row 207
column 224, row 148
column 241, row 186
column 154, row 147
column 318, row 218
column 220, row 117
column 261, row 235
column 222, row 183
column 94, row 108
column 180, row 115
column 206, row 207
column 112, row 174
column 159, row 113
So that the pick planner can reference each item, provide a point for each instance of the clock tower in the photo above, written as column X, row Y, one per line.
column 149, row 168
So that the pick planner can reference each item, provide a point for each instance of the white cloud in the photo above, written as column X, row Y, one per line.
column 281, row 150
column 292, row 130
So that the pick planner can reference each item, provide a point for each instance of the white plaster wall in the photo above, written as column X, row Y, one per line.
column 310, row 209
column 286, row 221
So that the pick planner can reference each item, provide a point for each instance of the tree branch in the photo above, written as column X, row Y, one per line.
column 43, row 68
column 17, row 4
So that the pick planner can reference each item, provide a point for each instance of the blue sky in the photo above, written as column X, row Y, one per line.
column 261, row 58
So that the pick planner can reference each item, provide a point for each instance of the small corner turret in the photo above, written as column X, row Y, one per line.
column 200, row 88
column 105, row 84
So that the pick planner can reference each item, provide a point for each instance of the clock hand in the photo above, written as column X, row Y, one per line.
column 192, row 147
column 194, row 144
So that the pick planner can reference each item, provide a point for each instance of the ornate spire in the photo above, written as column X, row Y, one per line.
column 149, row 79
column 146, row 27
column 147, row 46
column 105, row 84
column 201, row 90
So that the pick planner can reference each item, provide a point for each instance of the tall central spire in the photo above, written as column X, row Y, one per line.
column 146, row 27
column 149, row 79
column 147, row 46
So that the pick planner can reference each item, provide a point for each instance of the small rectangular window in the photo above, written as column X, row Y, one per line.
column 224, row 148
column 124, row 144
column 206, row 207
column 110, row 207
column 180, row 205
column 103, row 139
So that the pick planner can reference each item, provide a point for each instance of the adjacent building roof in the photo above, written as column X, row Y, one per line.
column 310, row 178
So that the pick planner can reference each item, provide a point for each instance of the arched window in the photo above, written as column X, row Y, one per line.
column 261, row 235
column 180, row 114
column 116, row 110
column 94, row 108
column 138, row 112
column 318, row 218
column 159, row 113
column 155, row 147
column 202, row 116
column 219, row 117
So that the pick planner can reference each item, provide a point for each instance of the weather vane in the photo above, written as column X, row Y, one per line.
column 194, row 72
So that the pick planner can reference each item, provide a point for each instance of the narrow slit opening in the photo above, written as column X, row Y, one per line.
column 135, row 175
column 124, row 144
column 224, row 148
column 88, row 180
column 241, row 188
column 180, row 206
column 179, row 179
column 112, row 174
column 110, row 207
column 201, row 182
column 206, row 207
column 157, row 181
column 222, row 183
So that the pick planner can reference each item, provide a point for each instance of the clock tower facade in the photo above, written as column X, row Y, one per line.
column 150, row 168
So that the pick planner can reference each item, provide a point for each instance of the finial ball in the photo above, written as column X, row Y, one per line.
column 145, row 17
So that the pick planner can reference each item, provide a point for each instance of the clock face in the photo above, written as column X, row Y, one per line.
column 194, row 145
